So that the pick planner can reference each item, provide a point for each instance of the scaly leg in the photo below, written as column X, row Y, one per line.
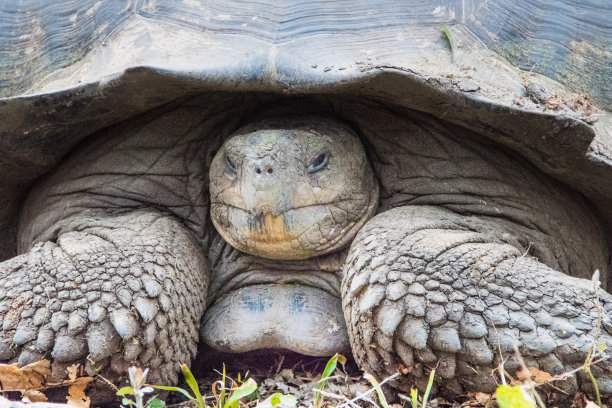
column 423, row 288
column 113, row 291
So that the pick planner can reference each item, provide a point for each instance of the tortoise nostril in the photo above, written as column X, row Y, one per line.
column 268, row 169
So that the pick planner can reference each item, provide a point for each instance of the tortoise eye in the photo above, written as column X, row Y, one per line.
column 231, row 166
column 319, row 163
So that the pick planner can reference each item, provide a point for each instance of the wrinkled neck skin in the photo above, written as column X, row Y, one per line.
column 288, row 195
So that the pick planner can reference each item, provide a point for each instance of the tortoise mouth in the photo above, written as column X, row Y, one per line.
column 293, row 317
column 297, row 232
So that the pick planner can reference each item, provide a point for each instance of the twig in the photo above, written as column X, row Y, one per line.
column 591, row 354
column 373, row 389
column 342, row 397
column 529, row 383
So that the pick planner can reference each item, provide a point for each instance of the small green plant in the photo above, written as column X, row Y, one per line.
column 223, row 399
column 193, row 385
column 137, row 389
column 414, row 393
column 237, row 391
column 330, row 367
column 284, row 400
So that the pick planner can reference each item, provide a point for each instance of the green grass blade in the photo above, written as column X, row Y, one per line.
column 176, row 389
column 449, row 37
column 246, row 389
column 414, row 396
column 429, row 384
column 221, row 402
column 379, row 391
column 327, row 372
column 126, row 390
column 192, row 383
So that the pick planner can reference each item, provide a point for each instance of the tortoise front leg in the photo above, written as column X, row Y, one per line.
column 424, row 289
column 113, row 291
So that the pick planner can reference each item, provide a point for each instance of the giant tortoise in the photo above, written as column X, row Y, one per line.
column 318, row 177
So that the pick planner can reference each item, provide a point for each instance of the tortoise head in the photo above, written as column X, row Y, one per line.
column 291, row 187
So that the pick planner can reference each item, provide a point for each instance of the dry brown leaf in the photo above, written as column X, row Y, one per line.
column 72, row 372
column 403, row 369
column 535, row 375
column 482, row 398
column 31, row 377
column 76, row 393
column 478, row 399
column 33, row 396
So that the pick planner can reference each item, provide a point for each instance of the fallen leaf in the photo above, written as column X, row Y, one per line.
column 31, row 377
column 72, row 372
column 76, row 393
column 403, row 369
column 482, row 398
column 33, row 396
column 535, row 375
